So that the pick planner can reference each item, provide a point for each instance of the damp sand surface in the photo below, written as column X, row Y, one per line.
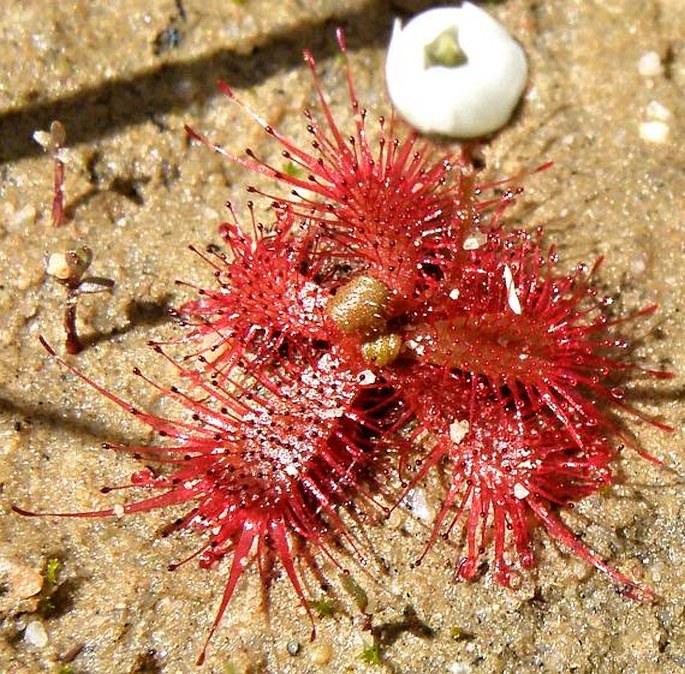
column 124, row 78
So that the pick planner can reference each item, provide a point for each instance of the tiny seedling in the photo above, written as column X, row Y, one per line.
column 52, row 142
column 68, row 268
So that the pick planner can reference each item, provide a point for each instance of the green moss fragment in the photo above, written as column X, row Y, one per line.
column 293, row 170
column 371, row 655
column 50, row 595
column 325, row 608
column 229, row 667
column 65, row 669
column 458, row 634
column 52, row 570
column 356, row 591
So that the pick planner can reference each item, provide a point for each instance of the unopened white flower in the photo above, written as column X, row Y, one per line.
column 455, row 71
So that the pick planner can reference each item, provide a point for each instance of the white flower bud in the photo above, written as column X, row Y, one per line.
column 455, row 71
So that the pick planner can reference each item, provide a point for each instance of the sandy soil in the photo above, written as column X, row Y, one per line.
column 139, row 193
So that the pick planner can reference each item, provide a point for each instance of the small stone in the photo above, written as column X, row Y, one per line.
column 650, row 64
column 293, row 647
column 458, row 431
column 321, row 653
column 35, row 634
column 24, row 216
column 416, row 346
column 474, row 242
column 23, row 581
column 417, row 502
column 459, row 668
column 118, row 510
column 520, row 492
column 654, row 131
column 658, row 111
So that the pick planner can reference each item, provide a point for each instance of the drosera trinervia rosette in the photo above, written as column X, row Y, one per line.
column 385, row 318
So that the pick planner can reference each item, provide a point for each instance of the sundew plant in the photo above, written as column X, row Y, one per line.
column 385, row 324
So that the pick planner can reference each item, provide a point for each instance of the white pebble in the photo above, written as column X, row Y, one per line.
column 638, row 263
column 118, row 510
column 520, row 492
column 458, row 431
column 650, row 64
column 654, row 131
column 455, row 71
column 416, row 346
column 658, row 111
column 24, row 216
column 321, row 653
column 474, row 242
column 459, row 668
column 417, row 502
column 35, row 634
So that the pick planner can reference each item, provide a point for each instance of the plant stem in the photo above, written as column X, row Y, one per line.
column 73, row 344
